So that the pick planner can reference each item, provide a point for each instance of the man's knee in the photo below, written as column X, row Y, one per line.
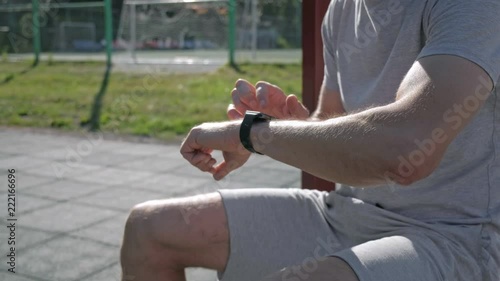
column 177, row 223
column 169, row 232
column 140, row 239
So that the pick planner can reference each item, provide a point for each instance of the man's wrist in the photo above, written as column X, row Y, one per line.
column 261, row 136
column 249, row 121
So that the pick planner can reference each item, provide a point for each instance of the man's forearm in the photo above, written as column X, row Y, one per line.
column 356, row 149
column 368, row 148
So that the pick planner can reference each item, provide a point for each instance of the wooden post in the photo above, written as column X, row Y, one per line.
column 313, row 12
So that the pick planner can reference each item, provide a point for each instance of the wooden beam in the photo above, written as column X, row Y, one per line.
column 313, row 12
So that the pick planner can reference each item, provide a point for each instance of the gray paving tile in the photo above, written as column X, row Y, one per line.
column 66, row 258
column 142, row 149
column 69, row 149
column 20, row 162
column 101, row 183
column 62, row 170
column 48, row 141
column 14, row 277
column 23, row 203
column 26, row 203
column 151, row 163
column 23, row 148
column 6, row 144
column 26, row 181
column 23, row 181
column 171, row 184
column 108, row 158
column 120, row 198
column 4, row 155
column 171, row 151
column 112, row 273
column 188, row 170
column 63, row 189
column 25, row 237
column 109, row 231
column 113, row 176
column 108, row 146
column 267, row 178
column 65, row 217
column 59, row 153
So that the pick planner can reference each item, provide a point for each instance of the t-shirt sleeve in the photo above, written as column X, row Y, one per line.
column 465, row 28
column 330, row 77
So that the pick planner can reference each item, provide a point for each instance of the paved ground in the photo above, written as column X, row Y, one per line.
column 74, row 192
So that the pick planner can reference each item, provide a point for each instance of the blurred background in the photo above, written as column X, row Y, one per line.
column 165, row 43
column 140, row 26
column 95, row 97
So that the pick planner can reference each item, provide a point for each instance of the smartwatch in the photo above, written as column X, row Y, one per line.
column 251, row 117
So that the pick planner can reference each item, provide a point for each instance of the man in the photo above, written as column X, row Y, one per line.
column 408, row 123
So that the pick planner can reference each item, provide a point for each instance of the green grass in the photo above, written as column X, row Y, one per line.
column 61, row 95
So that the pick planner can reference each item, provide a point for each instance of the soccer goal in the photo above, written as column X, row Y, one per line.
column 210, row 31
column 78, row 36
column 174, row 30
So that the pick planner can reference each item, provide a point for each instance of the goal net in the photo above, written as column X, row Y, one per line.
column 69, row 30
column 79, row 36
column 150, row 26
column 197, row 31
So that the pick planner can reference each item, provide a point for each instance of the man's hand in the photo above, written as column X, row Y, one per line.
column 266, row 98
column 203, row 139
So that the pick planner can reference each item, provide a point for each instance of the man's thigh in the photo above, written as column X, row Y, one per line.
column 190, row 232
column 412, row 256
column 271, row 229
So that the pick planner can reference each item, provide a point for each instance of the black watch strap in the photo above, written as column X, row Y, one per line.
column 251, row 117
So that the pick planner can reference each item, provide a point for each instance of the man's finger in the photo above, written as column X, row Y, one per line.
column 295, row 108
column 207, row 150
column 246, row 93
column 207, row 166
column 199, row 158
column 238, row 104
column 270, row 95
column 223, row 169
column 189, row 147
column 233, row 113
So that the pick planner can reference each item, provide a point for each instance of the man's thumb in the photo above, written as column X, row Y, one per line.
column 296, row 108
column 223, row 169
column 233, row 113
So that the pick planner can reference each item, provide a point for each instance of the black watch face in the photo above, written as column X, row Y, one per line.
column 258, row 115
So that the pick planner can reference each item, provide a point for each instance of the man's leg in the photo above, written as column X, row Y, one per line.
column 164, row 237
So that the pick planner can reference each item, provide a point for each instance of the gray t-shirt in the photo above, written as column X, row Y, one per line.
column 369, row 46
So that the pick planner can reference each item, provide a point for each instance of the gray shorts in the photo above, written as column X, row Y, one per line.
column 275, row 228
